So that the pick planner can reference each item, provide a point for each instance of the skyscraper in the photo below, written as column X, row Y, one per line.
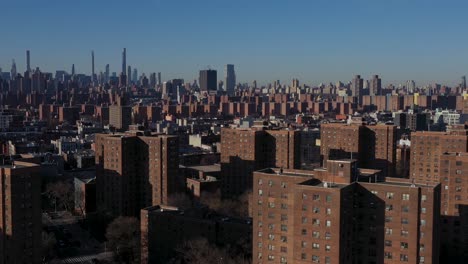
column 124, row 60
column 73, row 69
column 159, row 79
column 375, row 86
column 410, row 86
column 28, row 61
column 13, row 70
column 208, row 80
column 356, row 87
column 107, row 72
column 463, row 82
column 129, row 74
column 135, row 75
column 93, row 75
column 230, row 79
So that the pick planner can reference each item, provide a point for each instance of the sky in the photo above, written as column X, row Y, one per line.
column 313, row 40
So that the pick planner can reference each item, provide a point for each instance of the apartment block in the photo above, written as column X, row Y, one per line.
column 20, row 214
column 343, row 214
column 136, row 171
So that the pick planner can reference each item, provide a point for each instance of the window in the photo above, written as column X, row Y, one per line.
column 388, row 207
column 271, row 215
column 316, row 197
column 315, row 259
column 303, row 256
column 283, row 249
column 328, row 223
column 260, row 202
column 304, row 232
column 404, row 221
column 304, row 244
column 304, row 207
column 388, row 255
column 304, row 196
column 260, row 181
column 423, row 197
column 316, row 210
column 260, row 224
column 327, row 248
column 405, row 197
column 405, row 209
column 388, row 219
column 304, row 220
column 390, row 195
column 316, row 246
column 284, row 239
column 271, row 257
column 421, row 259
column 259, row 256
column 316, row 234
column 260, row 244
column 260, row 233
column 271, row 204
column 283, row 185
column 316, row 222
column 271, row 247
column 423, row 222
column 270, row 183
column 423, row 210
column 404, row 257
column 271, row 236
column 327, row 260
column 284, row 228
column 329, row 198
column 327, row 235
column 388, row 243
column 283, row 260
column 421, row 247
column 260, row 192
column 284, row 217
column 404, row 245
column 284, row 206
column 271, row 226
column 328, row 211
column 388, row 231
column 404, row 233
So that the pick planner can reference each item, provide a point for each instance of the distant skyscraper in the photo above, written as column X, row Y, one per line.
column 129, row 74
column 463, row 83
column 159, row 78
column 208, row 80
column 410, row 86
column 28, row 61
column 135, row 75
column 124, row 60
column 93, row 75
column 152, row 80
column 73, row 69
column 230, row 77
column 375, row 87
column 356, row 87
column 13, row 70
column 107, row 72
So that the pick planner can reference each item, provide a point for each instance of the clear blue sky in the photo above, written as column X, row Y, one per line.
column 313, row 40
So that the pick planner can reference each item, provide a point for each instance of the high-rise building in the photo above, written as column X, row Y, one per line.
column 159, row 79
column 374, row 146
column 120, row 117
column 129, row 74
column 375, row 86
column 93, row 74
column 107, row 74
column 73, row 70
column 152, row 80
column 13, row 70
column 28, row 61
column 343, row 214
column 357, row 86
column 124, row 60
column 20, row 213
column 410, row 86
column 135, row 75
column 134, row 172
column 463, row 82
column 230, row 79
column 244, row 150
column 208, row 80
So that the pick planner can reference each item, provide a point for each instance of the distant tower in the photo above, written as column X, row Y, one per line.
column 463, row 83
column 410, row 86
column 159, row 79
column 356, row 87
column 230, row 79
column 73, row 69
column 28, row 61
column 135, row 75
column 124, row 60
column 93, row 75
column 208, row 80
column 107, row 73
column 13, row 70
column 375, row 86
column 129, row 74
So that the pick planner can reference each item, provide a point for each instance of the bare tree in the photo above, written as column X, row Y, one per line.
column 123, row 236
column 61, row 193
column 234, row 207
column 48, row 243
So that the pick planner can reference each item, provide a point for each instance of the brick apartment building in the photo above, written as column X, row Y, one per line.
column 20, row 213
column 136, row 171
column 342, row 214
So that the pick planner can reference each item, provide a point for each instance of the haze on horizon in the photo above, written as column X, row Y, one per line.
column 314, row 41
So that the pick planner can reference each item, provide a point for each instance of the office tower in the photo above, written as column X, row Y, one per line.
column 13, row 70
column 374, row 146
column 208, row 80
column 375, row 86
column 93, row 75
column 129, row 74
column 124, row 60
column 230, row 79
column 122, row 80
column 159, row 79
column 28, row 61
column 73, row 70
column 357, row 85
column 152, row 80
column 343, row 214
column 135, row 75
column 134, row 172
column 410, row 86
column 244, row 151
column 463, row 82
column 20, row 213
column 107, row 74
column 120, row 117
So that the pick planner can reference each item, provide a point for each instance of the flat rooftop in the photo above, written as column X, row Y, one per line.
column 206, row 168
column 291, row 173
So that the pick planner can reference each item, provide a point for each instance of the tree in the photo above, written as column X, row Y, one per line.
column 61, row 193
column 48, row 243
column 232, row 207
column 123, row 236
column 180, row 200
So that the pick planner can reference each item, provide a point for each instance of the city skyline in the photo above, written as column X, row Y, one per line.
column 314, row 42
